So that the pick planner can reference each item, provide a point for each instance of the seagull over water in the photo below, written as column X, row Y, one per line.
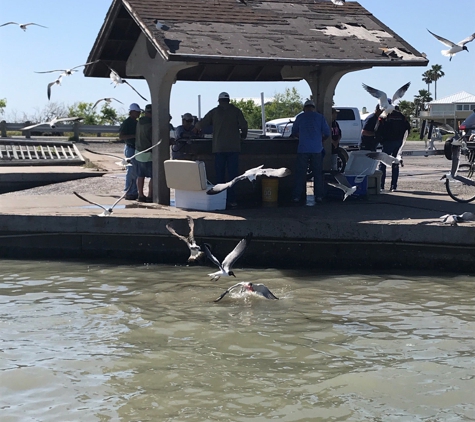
column 124, row 161
column 454, row 48
column 117, row 80
column 68, row 72
column 250, row 174
column 196, row 254
column 385, row 104
column 53, row 122
column 23, row 25
column 231, row 258
column 107, row 210
column 108, row 100
column 244, row 287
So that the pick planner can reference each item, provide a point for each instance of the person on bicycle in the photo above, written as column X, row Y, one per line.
column 390, row 134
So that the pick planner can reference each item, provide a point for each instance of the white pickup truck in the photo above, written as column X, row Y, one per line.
column 348, row 118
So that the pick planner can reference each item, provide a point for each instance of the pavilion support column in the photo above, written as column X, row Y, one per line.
column 160, row 76
column 322, row 82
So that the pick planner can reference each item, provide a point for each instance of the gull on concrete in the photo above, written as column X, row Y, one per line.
column 196, row 254
column 107, row 211
column 117, row 80
column 108, row 100
column 454, row 219
column 228, row 262
column 53, row 121
column 245, row 287
column 454, row 48
column 124, row 161
column 51, row 84
column 250, row 174
column 68, row 72
column 343, row 184
column 387, row 105
column 23, row 25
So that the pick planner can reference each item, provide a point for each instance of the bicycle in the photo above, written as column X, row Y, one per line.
column 460, row 182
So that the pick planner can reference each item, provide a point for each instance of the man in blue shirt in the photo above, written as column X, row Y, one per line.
column 312, row 129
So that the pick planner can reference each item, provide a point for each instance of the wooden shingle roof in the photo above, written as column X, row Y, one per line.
column 231, row 41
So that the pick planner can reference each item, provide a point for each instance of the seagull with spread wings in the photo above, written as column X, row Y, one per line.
column 117, row 80
column 343, row 184
column 454, row 48
column 245, row 287
column 387, row 105
column 107, row 210
column 229, row 261
column 196, row 254
column 23, row 25
column 53, row 121
column 250, row 174
column 108, row 100
column 124, row 161
column 68, row 72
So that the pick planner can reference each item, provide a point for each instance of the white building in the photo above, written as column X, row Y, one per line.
column 452, row 109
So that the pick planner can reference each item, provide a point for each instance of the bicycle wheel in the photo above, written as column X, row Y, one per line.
column 459, row 191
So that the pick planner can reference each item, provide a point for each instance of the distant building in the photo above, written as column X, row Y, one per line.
column 452, row 109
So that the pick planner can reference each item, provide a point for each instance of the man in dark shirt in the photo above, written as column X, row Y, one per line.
column 368, row 138
column 390, row 133
column 127, row 134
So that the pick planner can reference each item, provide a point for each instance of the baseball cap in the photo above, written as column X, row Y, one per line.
column 148, row 108
column 309, row 103
column 134, row 107
column 223, row 95
column 187, row 116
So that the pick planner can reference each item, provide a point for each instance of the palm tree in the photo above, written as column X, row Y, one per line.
column 427, row 78
column 421, row 100
column 436, row 73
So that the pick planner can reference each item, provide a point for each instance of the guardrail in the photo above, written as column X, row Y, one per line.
column 76, row 128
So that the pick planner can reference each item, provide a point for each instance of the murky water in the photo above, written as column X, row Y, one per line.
column 105, row 342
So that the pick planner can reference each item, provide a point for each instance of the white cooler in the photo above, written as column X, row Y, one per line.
column 188, row 178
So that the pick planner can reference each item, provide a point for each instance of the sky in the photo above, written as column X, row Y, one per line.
column 72, row 28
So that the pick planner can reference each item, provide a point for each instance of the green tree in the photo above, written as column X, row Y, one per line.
column 427, row 78
column 407, row 108
column 286, row 104
column 436, row 73
column 3, row 104
column 421, row 100
column 109, row 116
column 251, row 111
column 86, row 111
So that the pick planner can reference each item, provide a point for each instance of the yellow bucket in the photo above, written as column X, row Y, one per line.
column 270, row 190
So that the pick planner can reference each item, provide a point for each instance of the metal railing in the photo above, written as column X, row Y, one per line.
column 76, row 129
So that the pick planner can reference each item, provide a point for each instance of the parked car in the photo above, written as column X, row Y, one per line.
column 348, row 118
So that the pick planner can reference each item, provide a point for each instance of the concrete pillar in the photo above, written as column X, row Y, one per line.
column 160, row 76
column 3, row 129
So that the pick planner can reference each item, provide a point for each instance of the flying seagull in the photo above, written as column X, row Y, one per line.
column 160, row 26
column 107, row 211
column 454, row 48
column 196, row 254
column 338, row 2
column 231, row 258
column 107, row 100
column 53, row 122
column 68, row 72
column 250, row 174
column 124, row 161
column 386, row 159
column 117, row 80
column 51, row 84
column 258, row 289
column 23, row 25
column 343, row 184
column 386, row 105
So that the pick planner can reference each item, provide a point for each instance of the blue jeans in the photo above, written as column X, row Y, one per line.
column 231, row 161
column 316, row 165
column 131, row 175
column 391, row 148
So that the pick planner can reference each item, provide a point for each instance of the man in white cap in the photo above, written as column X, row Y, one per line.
column 183, row 134
column 312, row 129
column 127, row 134
column 229, row 128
